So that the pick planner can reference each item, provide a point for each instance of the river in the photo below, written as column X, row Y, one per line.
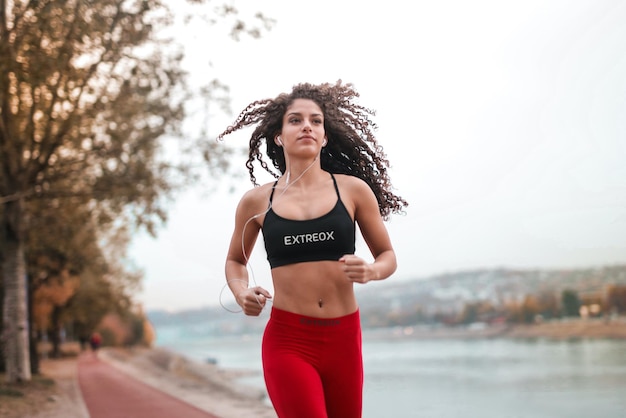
column 452, row 378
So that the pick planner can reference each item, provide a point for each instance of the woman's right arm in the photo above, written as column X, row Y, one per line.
column 247, row 227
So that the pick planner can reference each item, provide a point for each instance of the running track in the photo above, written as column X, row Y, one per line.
column 109, row 393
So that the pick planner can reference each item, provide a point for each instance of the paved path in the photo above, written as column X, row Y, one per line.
column 109, row 393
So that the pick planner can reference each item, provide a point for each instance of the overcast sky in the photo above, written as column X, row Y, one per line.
column 504, row 121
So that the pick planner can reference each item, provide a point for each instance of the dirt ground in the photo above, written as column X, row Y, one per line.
column 52, row 394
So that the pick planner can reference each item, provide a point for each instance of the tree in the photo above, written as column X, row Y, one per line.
column 548, row 302
column 479, row 311
column 530, row 308
column 616, row 299
column 63, row 246
column 87, row 90
column 68, row 70
column 570, row 302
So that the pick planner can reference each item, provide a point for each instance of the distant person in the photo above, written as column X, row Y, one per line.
column 95, row 341
column 333, row 176
column 83, row 339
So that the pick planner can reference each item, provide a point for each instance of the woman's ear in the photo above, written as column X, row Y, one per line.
column 278, row 141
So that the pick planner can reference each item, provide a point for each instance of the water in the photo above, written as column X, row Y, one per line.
column 496, row 378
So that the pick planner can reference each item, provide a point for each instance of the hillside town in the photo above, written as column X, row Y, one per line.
column 480, row 298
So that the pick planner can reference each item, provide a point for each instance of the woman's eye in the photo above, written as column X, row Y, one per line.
column 294, row 120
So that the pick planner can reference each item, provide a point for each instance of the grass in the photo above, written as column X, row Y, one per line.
column 37, row 397
column 10, row 392
column 26, row 399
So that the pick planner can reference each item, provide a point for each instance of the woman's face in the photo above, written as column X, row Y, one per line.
column 303, row 126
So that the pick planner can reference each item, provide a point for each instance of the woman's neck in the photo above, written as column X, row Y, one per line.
column 303, row 173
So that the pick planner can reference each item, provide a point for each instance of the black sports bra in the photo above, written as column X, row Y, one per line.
column 289, row 241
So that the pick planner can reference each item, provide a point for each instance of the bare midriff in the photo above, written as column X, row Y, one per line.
column 318, row 288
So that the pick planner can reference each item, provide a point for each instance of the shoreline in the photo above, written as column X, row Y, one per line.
column 568, row 329
column 206, row 386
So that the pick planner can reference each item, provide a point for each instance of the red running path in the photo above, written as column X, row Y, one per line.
column 109, row 393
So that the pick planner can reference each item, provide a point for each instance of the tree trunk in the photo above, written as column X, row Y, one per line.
column 55, row 334
column 34, row 355
column 15, row 310
column 2, row 362
column 33, row 339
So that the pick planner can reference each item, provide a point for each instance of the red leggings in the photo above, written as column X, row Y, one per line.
column 313, row 367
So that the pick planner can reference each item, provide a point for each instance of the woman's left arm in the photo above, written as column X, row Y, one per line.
column 374, row 232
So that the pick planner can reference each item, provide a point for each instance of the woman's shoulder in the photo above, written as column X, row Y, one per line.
column 257, row 195
column 351, row 183
column 355, row 192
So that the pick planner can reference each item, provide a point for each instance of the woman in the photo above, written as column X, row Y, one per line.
column 332, row 177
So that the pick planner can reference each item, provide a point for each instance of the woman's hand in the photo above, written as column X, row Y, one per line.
column 358, row 270
column 252, row 300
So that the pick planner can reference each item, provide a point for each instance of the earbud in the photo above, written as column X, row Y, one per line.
column 279, row 141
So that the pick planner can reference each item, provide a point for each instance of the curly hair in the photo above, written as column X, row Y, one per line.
column 352, row 147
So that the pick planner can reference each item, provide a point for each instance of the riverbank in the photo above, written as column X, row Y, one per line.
column 564, row 329
column 205, row 385
column 572, row 329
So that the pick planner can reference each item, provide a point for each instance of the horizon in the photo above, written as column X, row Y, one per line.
column 390, row 282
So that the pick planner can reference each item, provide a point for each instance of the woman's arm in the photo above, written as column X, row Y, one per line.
column 252, row 300
column 372, row 227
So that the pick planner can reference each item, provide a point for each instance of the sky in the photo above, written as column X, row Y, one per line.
column 504, row 123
